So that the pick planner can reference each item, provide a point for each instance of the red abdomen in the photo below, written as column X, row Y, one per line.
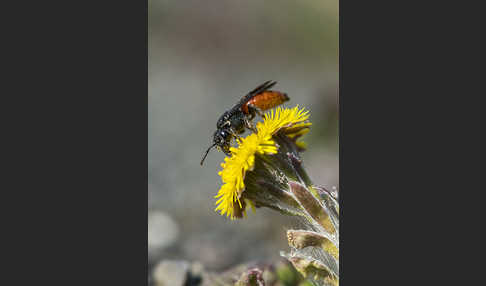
column 266, row 100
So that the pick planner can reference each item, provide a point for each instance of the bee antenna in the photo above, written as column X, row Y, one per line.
column 207, row 151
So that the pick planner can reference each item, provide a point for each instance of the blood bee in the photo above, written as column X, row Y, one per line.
column 235, row 120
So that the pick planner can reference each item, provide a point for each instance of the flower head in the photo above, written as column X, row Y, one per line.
column 266, row 170
column 290, row 122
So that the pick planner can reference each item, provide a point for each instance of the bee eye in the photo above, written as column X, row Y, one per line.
column 220, row 137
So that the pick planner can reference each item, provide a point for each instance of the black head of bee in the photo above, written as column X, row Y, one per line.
column 221, row 138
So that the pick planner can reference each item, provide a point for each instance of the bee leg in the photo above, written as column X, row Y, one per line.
column 234, row 133
column 249, row 125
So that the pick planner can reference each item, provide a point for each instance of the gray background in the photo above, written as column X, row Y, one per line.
column 203, row 56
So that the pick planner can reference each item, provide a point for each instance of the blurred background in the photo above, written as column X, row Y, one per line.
column 203, row 57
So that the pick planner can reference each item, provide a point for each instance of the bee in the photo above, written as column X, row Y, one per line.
column 237, row 119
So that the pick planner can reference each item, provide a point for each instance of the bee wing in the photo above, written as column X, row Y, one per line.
column 259, row 89
column 262, row 87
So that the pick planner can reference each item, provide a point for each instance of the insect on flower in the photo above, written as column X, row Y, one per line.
column 243, row 171
column 235, row 120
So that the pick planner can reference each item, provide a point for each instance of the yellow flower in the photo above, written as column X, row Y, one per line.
column 291, row 121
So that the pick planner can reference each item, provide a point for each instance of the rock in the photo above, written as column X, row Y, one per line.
column 162, row 232
column 171, row 273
